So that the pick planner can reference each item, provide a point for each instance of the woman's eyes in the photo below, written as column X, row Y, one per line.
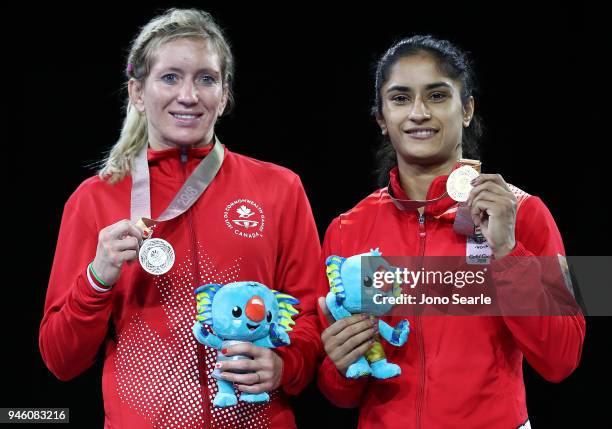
column 434, row 96
column 400, row 99
column 207, row 79
column 169, row 78
column 204, row 79
column 437, row 96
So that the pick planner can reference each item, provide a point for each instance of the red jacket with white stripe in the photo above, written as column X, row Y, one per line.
column 155, row 372
column 456, row 371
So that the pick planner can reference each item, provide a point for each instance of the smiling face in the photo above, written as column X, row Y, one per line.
column 183, row 95
column 244, row 311
column 422, row 113
column 357, row 274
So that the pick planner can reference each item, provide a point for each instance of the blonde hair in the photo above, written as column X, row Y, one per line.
column 172, row 24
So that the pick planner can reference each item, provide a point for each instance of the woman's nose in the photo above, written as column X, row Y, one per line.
column 419, row 112
column 188, row 94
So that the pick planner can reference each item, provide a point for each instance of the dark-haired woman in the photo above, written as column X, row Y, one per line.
column 455, row 371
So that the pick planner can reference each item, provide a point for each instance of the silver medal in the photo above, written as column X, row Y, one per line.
column 156, row 256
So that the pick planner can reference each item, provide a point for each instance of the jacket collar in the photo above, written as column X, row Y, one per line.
column 192, row 152
column 442, row 207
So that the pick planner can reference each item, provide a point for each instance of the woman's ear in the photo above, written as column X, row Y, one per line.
column 136, row 96
column 381, row 123
column 224, row 99
column 468, row 112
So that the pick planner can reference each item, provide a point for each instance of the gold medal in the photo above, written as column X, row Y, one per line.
column 458, row 185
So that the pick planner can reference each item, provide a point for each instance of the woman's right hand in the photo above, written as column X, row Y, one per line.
column 347, row 339
column 117, row 243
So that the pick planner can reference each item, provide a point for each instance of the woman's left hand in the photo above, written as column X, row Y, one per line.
column 264, row 369
column 493, row 208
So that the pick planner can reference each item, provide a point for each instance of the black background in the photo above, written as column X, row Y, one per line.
column 304, row 85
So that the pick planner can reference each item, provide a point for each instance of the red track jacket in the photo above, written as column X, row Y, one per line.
column 155, row 372
column 457, row 372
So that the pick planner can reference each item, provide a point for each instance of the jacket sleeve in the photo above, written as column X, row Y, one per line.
column 551, row 343
column 341, row 391
column 298, row 261
column 76, row 316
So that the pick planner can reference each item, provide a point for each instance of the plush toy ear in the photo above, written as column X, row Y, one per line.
column 204, row 297
column 375, row 252
column 286, row 310
column 334, row 264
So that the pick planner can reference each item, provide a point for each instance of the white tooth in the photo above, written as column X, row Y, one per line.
column 423, row 133
column 184, row 116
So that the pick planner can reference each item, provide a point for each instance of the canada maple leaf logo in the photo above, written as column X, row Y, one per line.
column 244, row 212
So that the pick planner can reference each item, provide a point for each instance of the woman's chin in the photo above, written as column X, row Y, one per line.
column 182, row 141
column 423, row 156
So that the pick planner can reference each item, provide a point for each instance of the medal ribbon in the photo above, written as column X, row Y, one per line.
column 410, row 205
column 463, row 223
column 192, row 189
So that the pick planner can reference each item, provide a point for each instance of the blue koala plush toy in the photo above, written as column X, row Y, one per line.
column 351, row 292
column 241, row 312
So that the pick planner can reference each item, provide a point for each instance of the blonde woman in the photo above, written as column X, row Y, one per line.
column 217, row 217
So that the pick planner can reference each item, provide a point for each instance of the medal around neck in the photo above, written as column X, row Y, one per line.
column 458, row 185
column 156, row 256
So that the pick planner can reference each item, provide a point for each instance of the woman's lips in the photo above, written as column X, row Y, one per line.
column 186, row 118
column 421, row 133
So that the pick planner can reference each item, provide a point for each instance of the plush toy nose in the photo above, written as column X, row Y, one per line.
column 255, row 309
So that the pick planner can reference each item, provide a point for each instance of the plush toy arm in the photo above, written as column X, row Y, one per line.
column 338, row 311
column 396, row 336
column 277, row 338
column 205, row 337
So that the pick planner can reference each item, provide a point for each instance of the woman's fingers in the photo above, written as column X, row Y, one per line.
column 355, row 329
column 122, row 229
column 246, row 349
column 259, row 374
column 255, row 388
column 488, row 187
column 353, row 343
column 495, row 178
column 348, row 326
column 325, row 310
column 248, row 379
column 117, row 243
column 127, row 243
column 239, row 365
column 351, row 357
column 347, row 339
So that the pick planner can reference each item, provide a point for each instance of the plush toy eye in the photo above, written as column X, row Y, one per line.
column 367, row 281
column 236, row 311
column 269, row 317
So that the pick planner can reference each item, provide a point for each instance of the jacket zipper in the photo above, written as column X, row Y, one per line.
column 184, row 159
column 421, row 392
column 189, row 214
